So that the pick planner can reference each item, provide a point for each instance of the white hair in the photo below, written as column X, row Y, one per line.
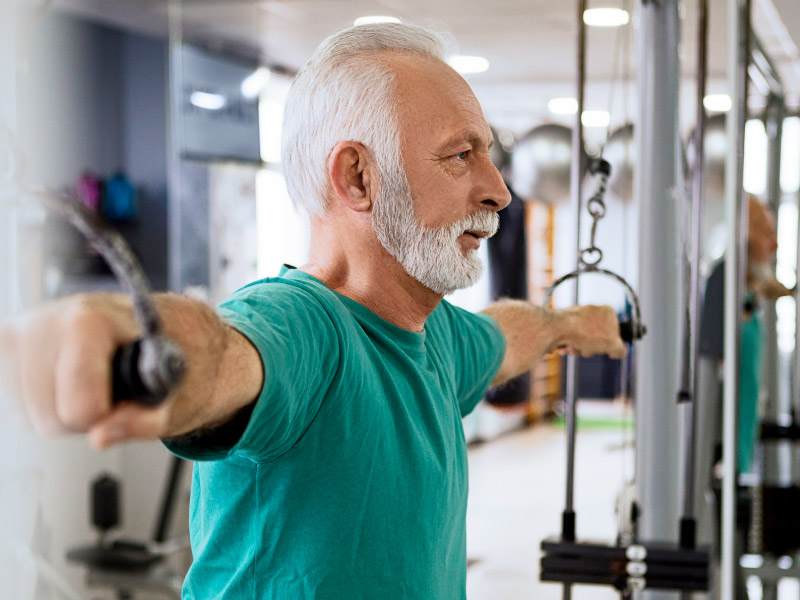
column 346, row 91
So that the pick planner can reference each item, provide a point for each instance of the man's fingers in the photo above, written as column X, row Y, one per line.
column 11, row 398
column 129, row 421
column 82, row 372
column 619, row 350
column 598, row 332
column 35, row 385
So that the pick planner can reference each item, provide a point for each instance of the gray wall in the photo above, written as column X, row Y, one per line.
column 95, row 99
column 144, row 147
column 69, row 109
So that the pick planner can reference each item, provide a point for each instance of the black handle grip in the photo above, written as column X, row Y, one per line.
column 127, row 380
column 626, row 331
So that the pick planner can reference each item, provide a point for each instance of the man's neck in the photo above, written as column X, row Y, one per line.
column 373, row 278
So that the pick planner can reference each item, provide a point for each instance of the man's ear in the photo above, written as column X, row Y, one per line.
column 350, row 169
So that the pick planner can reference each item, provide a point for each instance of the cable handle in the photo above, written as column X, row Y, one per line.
column 146, row 370
column 629, row 330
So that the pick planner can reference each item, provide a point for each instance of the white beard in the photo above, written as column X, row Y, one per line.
column 431, row 255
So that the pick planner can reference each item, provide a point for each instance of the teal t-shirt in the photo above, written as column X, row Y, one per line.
column 750, row 353
column 350, row 479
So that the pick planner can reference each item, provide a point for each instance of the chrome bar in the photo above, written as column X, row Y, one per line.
column 766, row 68
column 576, row 183
column 776, row 405
column 687, row 537
column 738, row 60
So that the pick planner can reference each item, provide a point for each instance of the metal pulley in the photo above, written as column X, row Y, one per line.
column 589, row 258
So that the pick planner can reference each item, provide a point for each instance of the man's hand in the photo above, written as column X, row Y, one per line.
column 57, row 360
column 591, row 330
column 772, row 289
column 56, row 363
column 532, row 331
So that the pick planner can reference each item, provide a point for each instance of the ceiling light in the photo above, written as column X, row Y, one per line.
column 606, row 17
column 375, row 19
column 207, row 101
column 254, row 84
column 595, row 118
column 468, row 64
column 717, row 102
column 563, row 106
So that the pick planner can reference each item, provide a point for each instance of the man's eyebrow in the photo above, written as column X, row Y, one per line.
column 471, row 137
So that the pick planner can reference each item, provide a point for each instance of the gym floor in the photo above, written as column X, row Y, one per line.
column 516, row 497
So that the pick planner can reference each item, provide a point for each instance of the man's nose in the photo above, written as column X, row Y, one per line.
column 497, row 196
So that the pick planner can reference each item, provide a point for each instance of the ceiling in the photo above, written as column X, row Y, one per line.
column 530, row 43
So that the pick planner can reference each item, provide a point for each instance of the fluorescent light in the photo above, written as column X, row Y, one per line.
column 717, row 102
column 606, row 17
column 254, row 84
column 375, row 19
column 468, row 64
column 563, row 106
column 207, row 101
column 751, row 561
column 595, row 118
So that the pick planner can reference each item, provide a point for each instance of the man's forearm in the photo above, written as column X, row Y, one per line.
column 57, row 363
column 224, row 371
column 531, row 332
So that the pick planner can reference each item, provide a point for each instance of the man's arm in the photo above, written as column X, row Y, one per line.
column 57, row 363
column 532, row 331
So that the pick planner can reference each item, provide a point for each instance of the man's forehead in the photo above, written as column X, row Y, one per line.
column 431, row 91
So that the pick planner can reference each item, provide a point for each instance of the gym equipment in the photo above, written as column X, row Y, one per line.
column 629, row 564
column 146, row 370
column 540, row 164
column 119, row 201
column 626, row 565
column 500, row 155
column 619, row 151
column 89, row 190
column 130, row 565
column 589, row 258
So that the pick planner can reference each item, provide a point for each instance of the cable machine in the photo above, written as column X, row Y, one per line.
column 630, row 564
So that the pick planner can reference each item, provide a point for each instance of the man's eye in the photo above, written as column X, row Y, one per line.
column 462, row 155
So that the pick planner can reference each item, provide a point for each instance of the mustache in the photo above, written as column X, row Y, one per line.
column 485, row 221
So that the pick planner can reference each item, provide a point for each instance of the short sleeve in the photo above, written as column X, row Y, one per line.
column 477, row 346
column 297, row 342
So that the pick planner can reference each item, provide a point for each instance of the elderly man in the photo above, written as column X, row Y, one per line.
column 324, row 405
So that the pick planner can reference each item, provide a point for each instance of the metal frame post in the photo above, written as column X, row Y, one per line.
column 660, row 271
column 795, row 382
column 576, row 188
column 736, row 217
column 775, row 115
column 795, row 398
column 689, row 388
